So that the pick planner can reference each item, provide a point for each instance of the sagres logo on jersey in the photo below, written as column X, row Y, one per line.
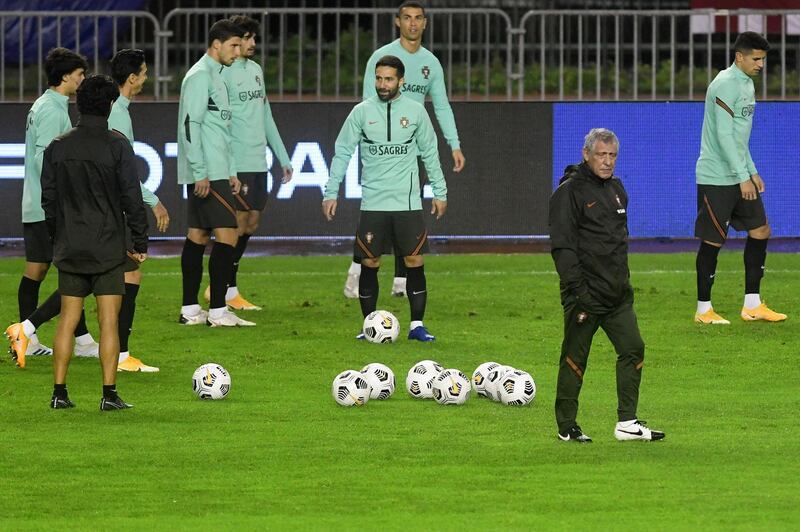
column 426, row 71
column 404, row 122
column 391, row 149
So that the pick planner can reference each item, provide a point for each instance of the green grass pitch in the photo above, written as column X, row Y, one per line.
column 280, row 454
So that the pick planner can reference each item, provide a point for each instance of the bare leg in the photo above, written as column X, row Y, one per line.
column 107, row 315
column 71, row 309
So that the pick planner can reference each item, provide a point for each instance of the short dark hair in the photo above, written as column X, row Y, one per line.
column 410, row 3
column 124, row 63
column 249, row 25
column 394, row 62
column 96, row 94
column 748, row 41
column 60, row 62
column 222, row 30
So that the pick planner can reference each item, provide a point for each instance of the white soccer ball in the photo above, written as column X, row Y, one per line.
column 381, row 327
column 211, row 381
column 350, row 388
column 517, row 388
column 479, row 377
column 419, row 381
column 380, row 378
column 451, row 387
column 493, row 381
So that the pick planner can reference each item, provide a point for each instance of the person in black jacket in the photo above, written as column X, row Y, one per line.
column 588, row 234
column 90, row 190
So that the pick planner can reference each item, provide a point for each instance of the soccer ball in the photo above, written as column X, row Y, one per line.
column 350, row 388
column 380, row 378
column 517, row 388
column 493, row 381
column 419, row 381
column 451, row 387
column 381, row 327
column 211, row 381
column 479, row 377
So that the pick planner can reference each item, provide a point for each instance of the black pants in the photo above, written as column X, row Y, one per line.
column 579, row 328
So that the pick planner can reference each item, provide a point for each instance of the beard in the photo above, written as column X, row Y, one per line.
column 389, row 95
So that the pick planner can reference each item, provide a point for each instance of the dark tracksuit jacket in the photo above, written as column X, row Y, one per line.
column 90, row 191
column 588, row 234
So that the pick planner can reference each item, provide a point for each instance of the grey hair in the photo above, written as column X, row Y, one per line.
column 603, row 135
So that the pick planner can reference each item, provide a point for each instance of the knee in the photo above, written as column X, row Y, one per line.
column 198, row 236
column 226, row 236
column 760, row 233
column 413, row 261
column 371, row 263
column 134, row 277
column 36, row 271
column 253, row 218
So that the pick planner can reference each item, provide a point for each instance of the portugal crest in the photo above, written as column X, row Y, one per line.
column 404, row 122
column 369, row 237
column 258, row 80
column 426, row 71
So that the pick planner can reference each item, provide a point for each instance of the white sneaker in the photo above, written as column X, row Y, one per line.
column 399, row 287
column 636, row 430
column 228, row 319
column 197, row 319
column 90, row 350
column 351, row 286
column 38, row 350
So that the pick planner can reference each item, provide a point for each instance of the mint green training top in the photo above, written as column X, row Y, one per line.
column 204, row 123
column 424, row 76
column 120, row 121
column 727, row 121
column 253, row 125
column 391, row 136
column 47, row 119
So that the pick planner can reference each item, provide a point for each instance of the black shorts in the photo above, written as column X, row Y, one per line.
column 253, row 194
column 720, row 206
column 38, row 246
column 110, row 283
column 381, row 230
column 215, row 210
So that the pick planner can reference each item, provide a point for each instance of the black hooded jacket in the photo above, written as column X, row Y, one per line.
column 589, row 239
column 90, row 191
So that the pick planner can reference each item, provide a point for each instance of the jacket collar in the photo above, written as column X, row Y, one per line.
column 738, row 72
column 93, row 121
column 586, row 172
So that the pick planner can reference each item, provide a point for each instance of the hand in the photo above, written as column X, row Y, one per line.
column 202, row 187
column 138, row 257
column 287, row 174
column 748, row 190
column 458, row 161
column 236, row 185
column 758, row 182
column 438, row 207
column 329, row 209
column 162, row 217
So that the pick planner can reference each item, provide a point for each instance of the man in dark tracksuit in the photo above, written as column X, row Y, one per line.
column 90, row 191
column 588, row 233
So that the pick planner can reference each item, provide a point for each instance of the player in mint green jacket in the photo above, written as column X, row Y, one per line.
column 391, row 131
column 253, row 128
column 424, row 77
column 728, row 185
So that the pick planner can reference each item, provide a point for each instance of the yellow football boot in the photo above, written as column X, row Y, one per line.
column 134, row 364
column 761, row 313
column 15, row 334
column 710, row 317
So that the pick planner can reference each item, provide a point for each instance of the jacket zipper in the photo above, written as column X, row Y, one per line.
column 389, row 122
column 410, row 189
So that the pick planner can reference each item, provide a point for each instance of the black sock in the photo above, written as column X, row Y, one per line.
column 400, row 269
column 755, row 255
column 110, row 391
column 49, row 309
column 126, row 313
column 417, row 291
column 81, row 329
column 219, row 270
column 241, row 245
column 192, row 270
column 60, row 391
column 356, row 259
column 368, row 290
column 27, row 297
column 706, row 264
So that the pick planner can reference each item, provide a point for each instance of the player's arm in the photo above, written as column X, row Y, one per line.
column 276, row 143
column 428, row 148
column 49, row 193
column 48, row 126
column 195, row 97
column 369, row 77
column 346, row 142
column 724, row 101
column 131, row 198
column 444, row 114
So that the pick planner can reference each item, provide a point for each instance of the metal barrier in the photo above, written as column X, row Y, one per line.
column 320, row 53
column 626, row 51
column 142, row 31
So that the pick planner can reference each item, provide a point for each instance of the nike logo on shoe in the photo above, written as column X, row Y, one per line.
column 590, row 205
column 637, row 433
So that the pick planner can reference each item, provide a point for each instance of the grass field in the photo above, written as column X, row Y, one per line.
column 279, row 453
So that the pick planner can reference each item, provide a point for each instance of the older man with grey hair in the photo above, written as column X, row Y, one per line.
column 588, row 234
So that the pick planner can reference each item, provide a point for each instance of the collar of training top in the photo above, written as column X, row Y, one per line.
column 584, row 169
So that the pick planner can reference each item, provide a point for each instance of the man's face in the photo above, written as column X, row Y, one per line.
column 602, row 159
column 752, row 63
column 387, row 83
column 229, row 51
column 137, row 81
column 73, row 80
column 249, row 45
column 411, row 22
